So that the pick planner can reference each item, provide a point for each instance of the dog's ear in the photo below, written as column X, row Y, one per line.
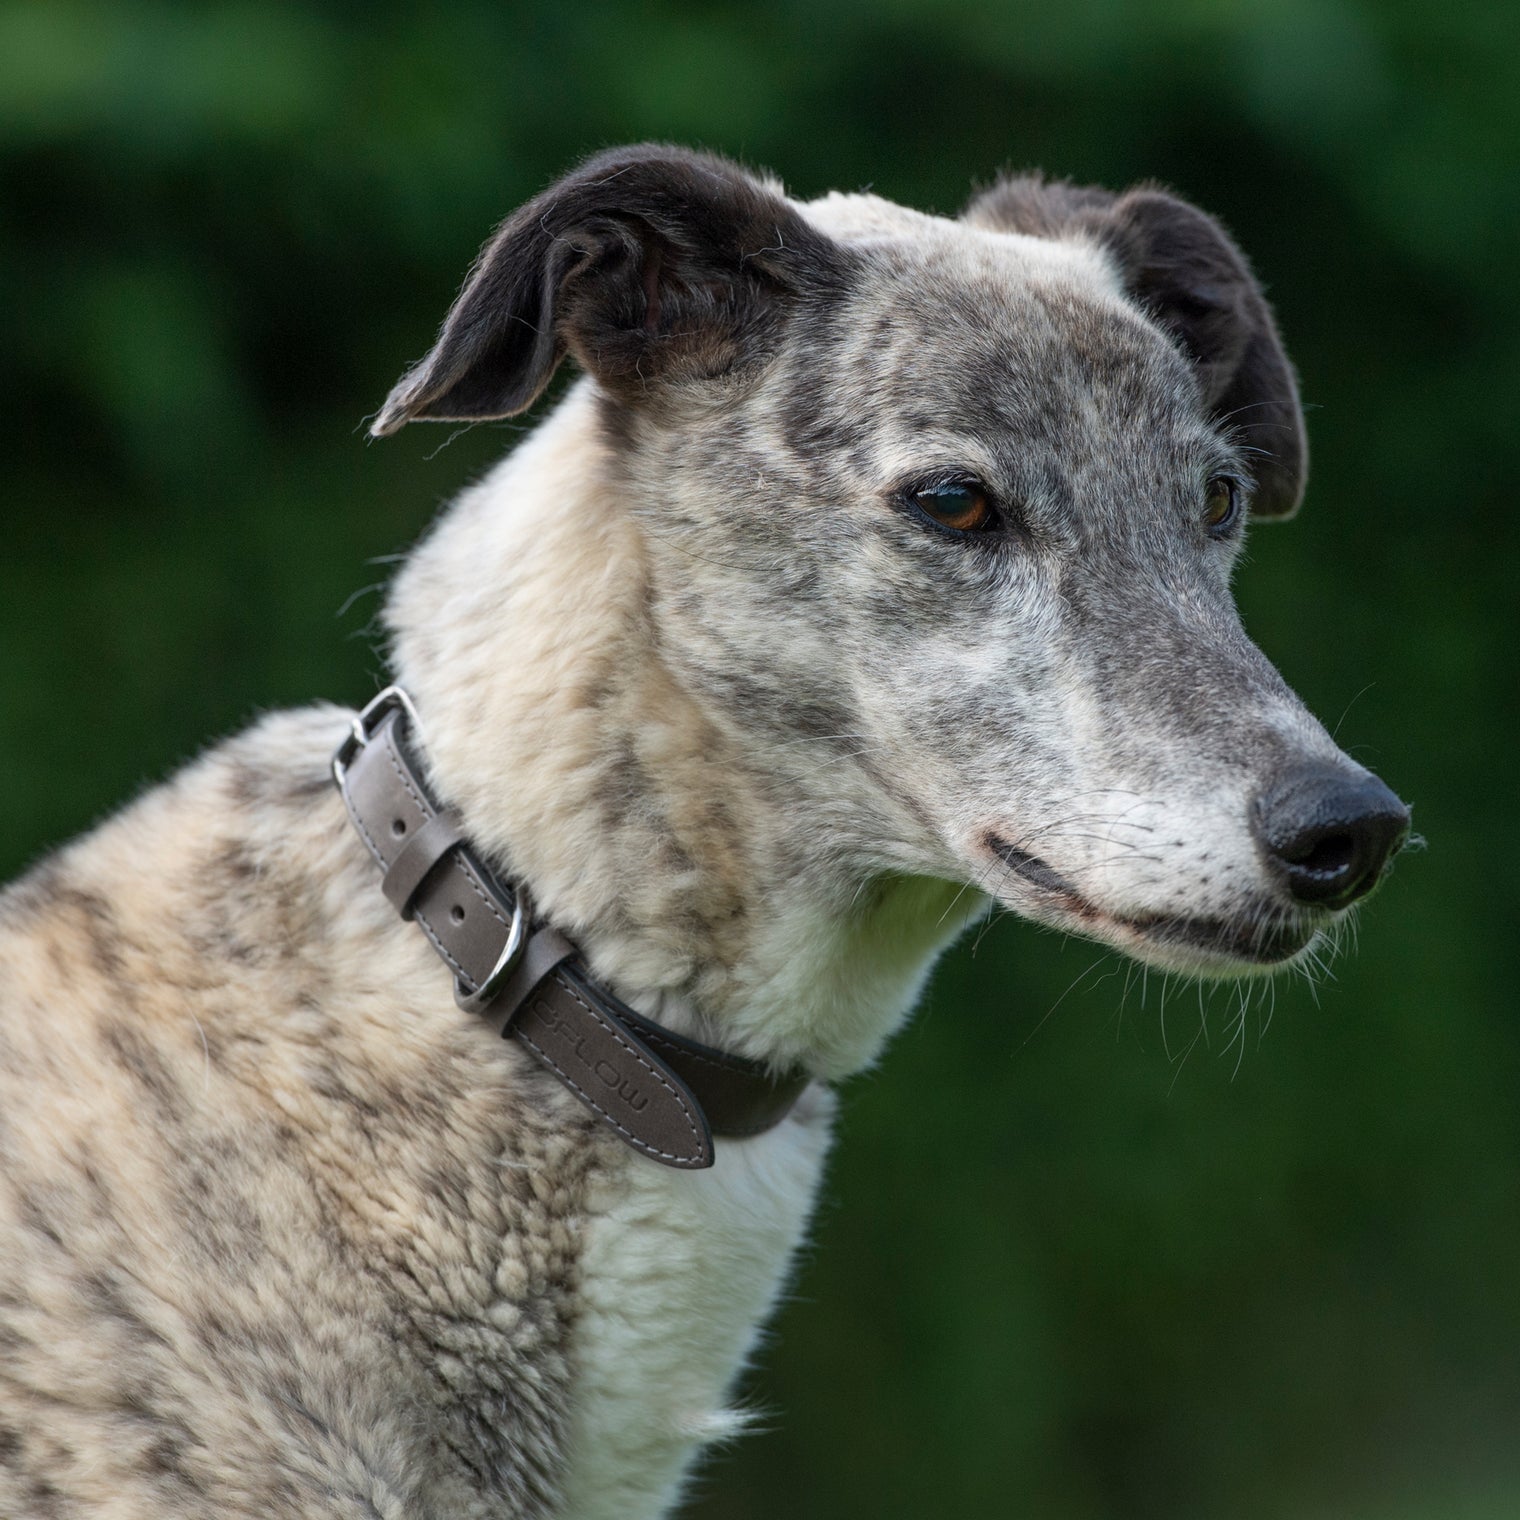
column 1182, row 266
column 650, row 264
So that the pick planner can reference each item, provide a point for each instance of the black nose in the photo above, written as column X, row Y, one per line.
column 1329, row 831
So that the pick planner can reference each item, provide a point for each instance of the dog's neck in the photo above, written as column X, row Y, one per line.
column 645, row 826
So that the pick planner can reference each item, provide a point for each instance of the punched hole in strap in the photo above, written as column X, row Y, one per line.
column 417, row 857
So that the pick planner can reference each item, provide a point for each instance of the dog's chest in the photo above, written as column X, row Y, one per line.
column 679, row 1271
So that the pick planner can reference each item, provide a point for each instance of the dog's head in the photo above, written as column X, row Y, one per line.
column 941, row 518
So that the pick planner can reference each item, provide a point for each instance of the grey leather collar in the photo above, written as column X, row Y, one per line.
column 661, row 1093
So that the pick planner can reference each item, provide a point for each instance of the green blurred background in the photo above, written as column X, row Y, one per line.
column 1072, row 1262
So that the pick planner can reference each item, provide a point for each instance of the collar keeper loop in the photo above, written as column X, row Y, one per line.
column 426, row 847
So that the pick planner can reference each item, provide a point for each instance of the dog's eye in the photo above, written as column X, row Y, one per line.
column 1221, row 506
column 959, row 505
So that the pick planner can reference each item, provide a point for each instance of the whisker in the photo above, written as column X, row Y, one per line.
column 1106, row 956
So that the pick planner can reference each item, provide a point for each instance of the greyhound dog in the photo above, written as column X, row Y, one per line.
column 875, row 571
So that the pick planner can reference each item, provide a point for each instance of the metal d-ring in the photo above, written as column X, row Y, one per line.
column 506, row 962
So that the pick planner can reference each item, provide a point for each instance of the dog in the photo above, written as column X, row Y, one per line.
column 874, row 571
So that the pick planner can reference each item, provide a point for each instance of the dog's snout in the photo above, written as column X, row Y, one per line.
column 1329, row 832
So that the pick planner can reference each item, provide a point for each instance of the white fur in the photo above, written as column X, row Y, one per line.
column 679, row 1273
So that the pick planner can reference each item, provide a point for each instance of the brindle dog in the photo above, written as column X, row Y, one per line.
column 877, row 570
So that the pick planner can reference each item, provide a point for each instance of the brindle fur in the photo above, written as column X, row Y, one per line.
column 281, row 1232
column 251, row 1259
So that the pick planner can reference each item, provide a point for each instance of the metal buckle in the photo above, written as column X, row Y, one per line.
column 506, row 962
column 363, row 724
column 362, row 728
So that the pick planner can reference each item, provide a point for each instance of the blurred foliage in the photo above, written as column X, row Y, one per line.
column 1081, row 1257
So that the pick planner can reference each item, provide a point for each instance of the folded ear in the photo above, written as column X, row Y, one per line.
column 652, row 265
column 1182, row 266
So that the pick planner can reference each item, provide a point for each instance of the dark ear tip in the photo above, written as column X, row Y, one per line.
column 404, row 404
column 1276, row 508
column 1275, row 511
column 1280, row 487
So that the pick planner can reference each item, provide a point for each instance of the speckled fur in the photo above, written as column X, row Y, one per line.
column 281, row 1233
column 267, row 1244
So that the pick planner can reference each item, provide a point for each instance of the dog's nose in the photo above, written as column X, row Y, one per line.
column 1329, row 832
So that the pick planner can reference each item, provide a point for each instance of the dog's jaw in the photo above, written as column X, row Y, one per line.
column 1242, row 937
column 582, row 763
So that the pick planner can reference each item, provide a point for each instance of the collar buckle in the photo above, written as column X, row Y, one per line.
column 363, row 724
column 362, row 728
column 660, row 1093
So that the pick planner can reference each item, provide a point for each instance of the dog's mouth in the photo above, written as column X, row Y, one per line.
column 1204, row 943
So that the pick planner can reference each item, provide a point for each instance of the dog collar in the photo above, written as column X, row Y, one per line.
column 663, row 1094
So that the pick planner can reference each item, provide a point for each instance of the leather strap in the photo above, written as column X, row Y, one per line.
column 663, row 1094
column 417, row 856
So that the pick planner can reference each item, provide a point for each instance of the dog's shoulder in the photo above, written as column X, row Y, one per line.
column 223, row 1073
column 138, row 918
